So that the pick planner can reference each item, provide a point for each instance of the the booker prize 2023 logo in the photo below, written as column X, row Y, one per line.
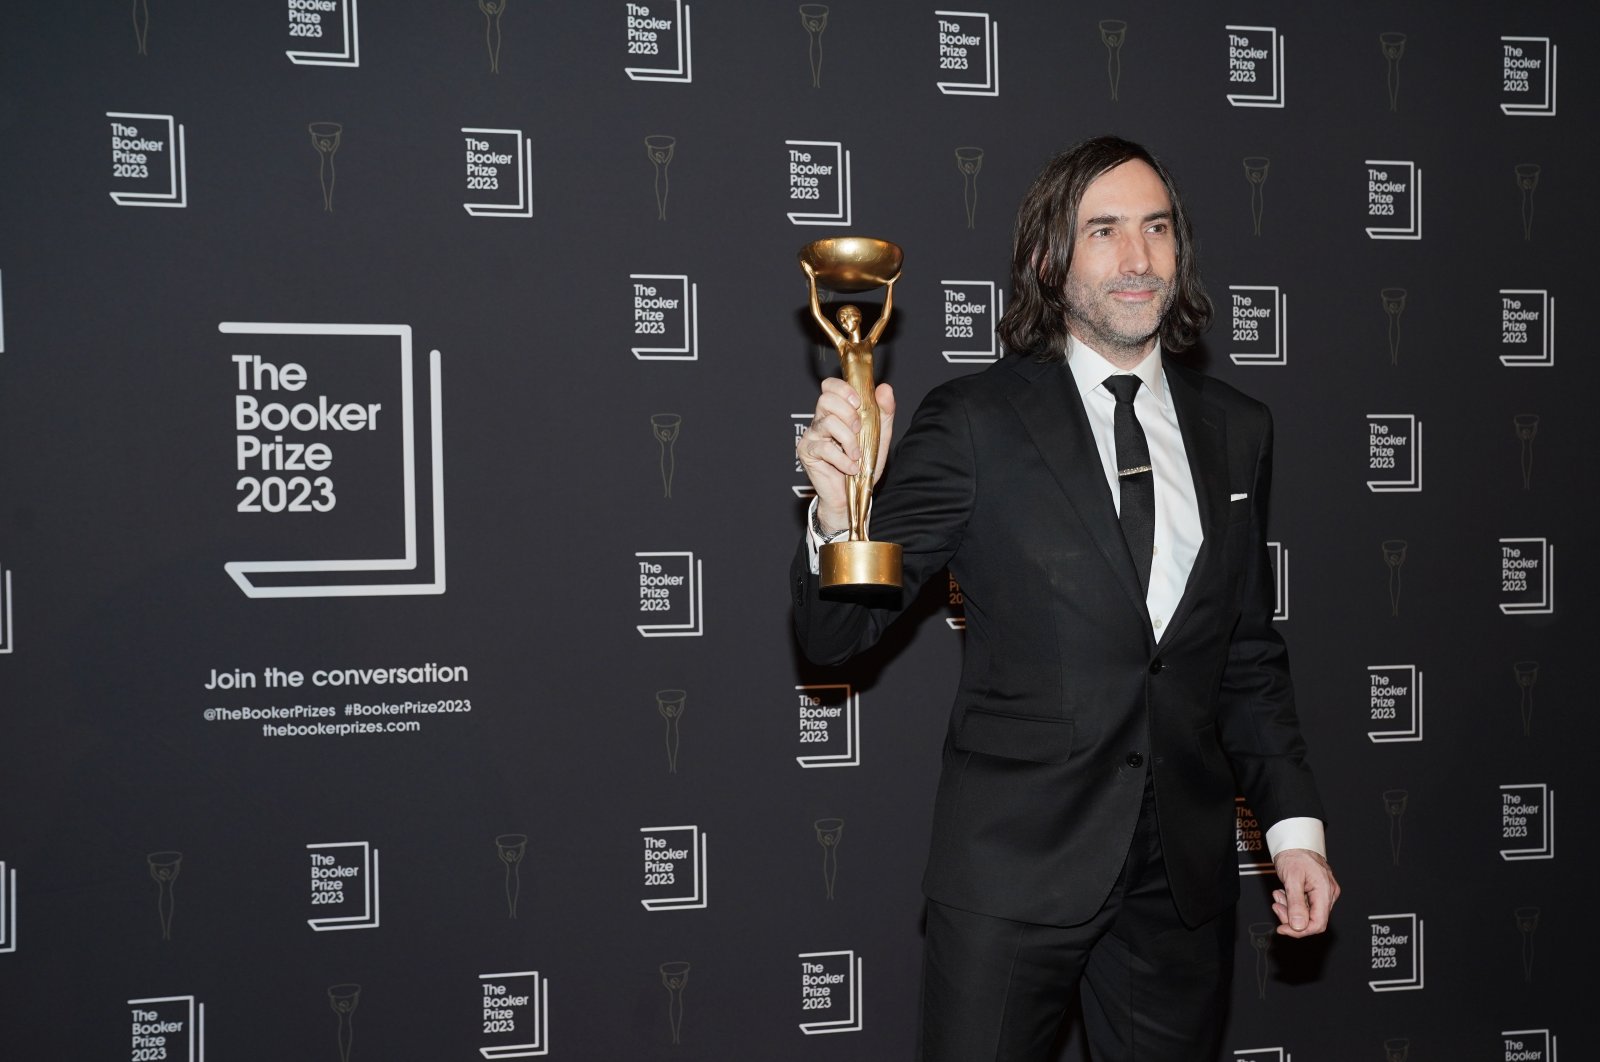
column 499, row 173
column 331, row 468
column 969, row 53
column 829, row 725
column 1527, row 576
column 1527, row 77
column 148, row 168
column 1393, row 199
column 516, row 1014
column 1529, row 1045
column 675, row 868
column 972, row 309
column 1527, row 821
column 1394, row 702
column 659, row 41
column 1255, row 66
column 830, row 992
column 1278, row 555
column 343, row 879
column 1262, row 1054
column 819, row 182
column 1249, row 841
column 323, row 33
column 1395, row 952
column 671, row 595
column 666, row 317
column 1527, row 328
column 1394, row 453
column 172, row 1028
column 1258, row 324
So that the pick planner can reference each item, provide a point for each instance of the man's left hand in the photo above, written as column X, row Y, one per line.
column 1308, row 893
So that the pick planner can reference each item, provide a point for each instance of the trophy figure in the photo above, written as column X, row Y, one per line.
column 511, row 847
column 1393, row 46
column 670, row 704
column 1527, row 426
column 665, row 427
column 1394, row 555
column 164, row 867
column 1113, row 31
column 849, row 264
column 1527, row 672
column 1255, row 171
column 141, row 24
column 814, row 17
column 343, row 1000
column 829, row 833
column 1397, row 1049
column 1394, row 802
column 674, row 977
column 1394, row 304
column 969, row 160
column 1527, row 181
column 492, row 10
column 1527, row 921
column 325, row 138
column 660, row 148
column 1260, row 941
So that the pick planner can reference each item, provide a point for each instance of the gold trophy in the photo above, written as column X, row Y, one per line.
column 851, row 264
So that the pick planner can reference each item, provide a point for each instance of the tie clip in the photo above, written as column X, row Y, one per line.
column 1132, row 471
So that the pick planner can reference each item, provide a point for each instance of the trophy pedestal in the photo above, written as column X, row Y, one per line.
column 866, row 564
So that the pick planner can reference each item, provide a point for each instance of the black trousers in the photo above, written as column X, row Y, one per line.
column 1152, row 988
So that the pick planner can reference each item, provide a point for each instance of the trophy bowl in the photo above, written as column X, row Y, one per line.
column 852, row 263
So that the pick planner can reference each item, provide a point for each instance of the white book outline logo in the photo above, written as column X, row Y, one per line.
column 690, row 350
column 851, row 756
column 1412, row 230
column 1413, row 731
column 369, row 918
column 1412, row 484
column 1547, row 821
column 1547, row 582
column 523, row 207
column 699, row 897
column 683, row 71
column 1547, row 355
column 1415, row 979
column 177, row 193
column 996, row 310
column 1545, row 108
column 240, row 571
column 1279, row 93
column 854, row 1020
column 348, row 55
column 841, row 170
column 990, row 85
column 194, row 1024
column 1279, row 354
column 695, row 626
column 540, row 1000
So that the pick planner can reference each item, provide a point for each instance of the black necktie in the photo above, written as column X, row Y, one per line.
column 1134, row 478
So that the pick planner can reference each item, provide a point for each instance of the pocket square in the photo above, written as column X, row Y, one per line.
column 1237, row 497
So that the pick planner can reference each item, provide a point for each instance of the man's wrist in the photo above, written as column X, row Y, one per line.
column 823, row 533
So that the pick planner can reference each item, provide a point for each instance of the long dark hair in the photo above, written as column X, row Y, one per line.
column 1036, row 320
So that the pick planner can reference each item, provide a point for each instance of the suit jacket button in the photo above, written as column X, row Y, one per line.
column 1135, row 760
column 1156, row 666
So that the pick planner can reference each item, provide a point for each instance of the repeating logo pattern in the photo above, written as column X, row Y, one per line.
column 511, row 849
column 1528, row 821
column 672, row 593
column 1394, row 453
column 1259, row 323
column 334, row 25
column 675, row 877
column 1528, row 77
column 830, row 982
column 168, row 1027
column 1396, row 952
column 1394, row 697
column 830, row 725
column 149, row 166
column 489, row 154
column 515, row 1014
column 666, row 317
column 972, row 310
column 1527, row 576
column 344, row 886
column 819, row 179
column 164, row 867
column 1527, row 328
column 8, row 908
column 1394, row 199
column 659, row 36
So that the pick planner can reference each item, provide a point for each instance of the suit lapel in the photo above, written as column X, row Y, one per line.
column 1052, row 412
column 1205, row 439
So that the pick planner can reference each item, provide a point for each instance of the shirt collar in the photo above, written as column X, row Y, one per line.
column 1090, row 369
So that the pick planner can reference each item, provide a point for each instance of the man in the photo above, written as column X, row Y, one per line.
column 1104, row 510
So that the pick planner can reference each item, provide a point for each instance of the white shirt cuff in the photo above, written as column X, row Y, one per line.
column 813, row 547
column 1299, row 832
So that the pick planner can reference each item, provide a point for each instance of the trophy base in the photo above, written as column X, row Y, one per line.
column 869, row 564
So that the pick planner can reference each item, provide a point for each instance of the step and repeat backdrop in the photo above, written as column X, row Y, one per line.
column 397, row 405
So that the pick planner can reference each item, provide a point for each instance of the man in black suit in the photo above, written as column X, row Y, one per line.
column 1104, row 510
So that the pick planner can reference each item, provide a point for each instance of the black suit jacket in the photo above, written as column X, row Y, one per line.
column 1066, row 701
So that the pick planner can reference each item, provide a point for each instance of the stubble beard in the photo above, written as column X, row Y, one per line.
column 1121, row 334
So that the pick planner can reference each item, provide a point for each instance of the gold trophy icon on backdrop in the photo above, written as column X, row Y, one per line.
column 853, row 264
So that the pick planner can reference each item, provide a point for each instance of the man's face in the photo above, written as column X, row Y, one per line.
column 1124, row 260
